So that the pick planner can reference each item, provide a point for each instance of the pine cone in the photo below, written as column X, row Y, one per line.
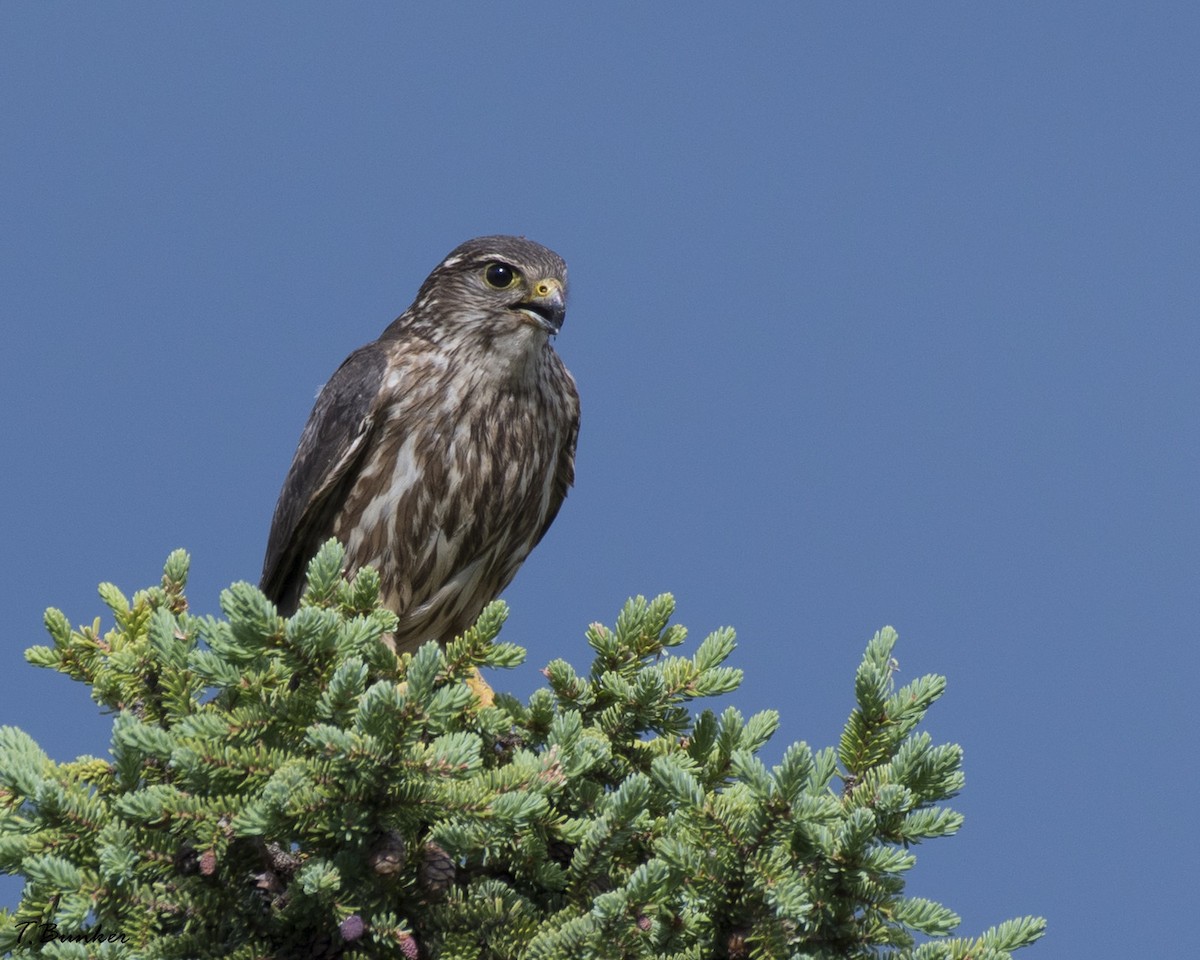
column 352, row 928
column 282, row 860
column 389, row 855
column 437, row 869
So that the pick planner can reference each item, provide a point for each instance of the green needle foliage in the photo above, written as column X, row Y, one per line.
column 290, row 789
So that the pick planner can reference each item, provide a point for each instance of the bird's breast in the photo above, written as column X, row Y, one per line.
column 461, row 469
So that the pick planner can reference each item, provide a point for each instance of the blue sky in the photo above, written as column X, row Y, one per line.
column 883, row 314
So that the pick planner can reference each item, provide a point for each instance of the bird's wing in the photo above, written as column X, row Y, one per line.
column 326, row 464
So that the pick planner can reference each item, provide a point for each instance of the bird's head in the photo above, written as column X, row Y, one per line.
column 499, row 279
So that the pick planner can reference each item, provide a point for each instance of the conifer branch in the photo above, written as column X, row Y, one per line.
column 289, row 788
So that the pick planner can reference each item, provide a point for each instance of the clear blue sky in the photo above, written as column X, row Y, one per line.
column 881, row 314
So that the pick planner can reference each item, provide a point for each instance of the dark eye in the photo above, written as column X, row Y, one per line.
column 500, row 275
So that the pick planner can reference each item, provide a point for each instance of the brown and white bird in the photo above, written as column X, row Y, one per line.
column 440, row 453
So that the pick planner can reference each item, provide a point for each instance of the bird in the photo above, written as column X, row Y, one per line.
column 441, row 452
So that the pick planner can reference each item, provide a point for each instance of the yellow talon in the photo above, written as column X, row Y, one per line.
column 483, row 692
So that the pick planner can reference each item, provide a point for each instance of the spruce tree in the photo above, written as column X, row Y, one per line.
column 291, row 789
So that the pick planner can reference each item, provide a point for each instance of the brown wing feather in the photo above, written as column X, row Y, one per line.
column 326, row 465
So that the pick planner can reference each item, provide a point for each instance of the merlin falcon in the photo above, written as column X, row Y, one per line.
column 440, row 453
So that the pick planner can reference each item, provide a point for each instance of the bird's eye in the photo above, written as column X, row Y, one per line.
column 500, row 275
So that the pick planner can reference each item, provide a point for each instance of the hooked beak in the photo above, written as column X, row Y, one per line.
column 546, row 305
